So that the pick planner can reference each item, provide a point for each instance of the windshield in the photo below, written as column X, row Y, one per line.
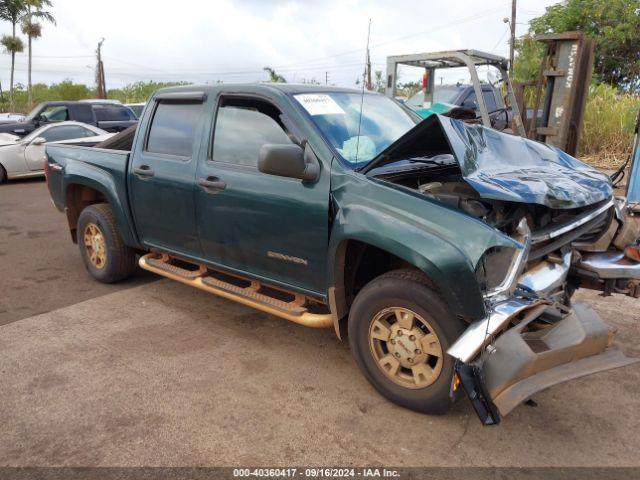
column 337, row 115
column 34, row 113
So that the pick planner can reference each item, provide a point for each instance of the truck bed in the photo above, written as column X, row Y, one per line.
column 68, row 164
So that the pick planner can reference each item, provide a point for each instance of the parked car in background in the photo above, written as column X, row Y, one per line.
column 108, row 116
column 101, row 100
column 136, row 107
column 448, row 97
column 11, row 117
column 23, row 157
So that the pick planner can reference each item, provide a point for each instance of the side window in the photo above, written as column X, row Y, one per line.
column 243, row 126
column 112, row 113
column 470, row 101
column 490, row 100
column 66, row 132
column 56, row 114
column 173, row 128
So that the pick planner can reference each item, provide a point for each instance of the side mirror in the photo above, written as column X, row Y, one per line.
column 42, row 118
column 289, row 161
column 38, row 141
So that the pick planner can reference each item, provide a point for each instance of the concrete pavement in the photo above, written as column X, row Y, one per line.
column 40, row 268
column 162, row 374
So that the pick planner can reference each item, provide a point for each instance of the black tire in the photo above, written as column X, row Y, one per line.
column 120, row 259
column 408, row 289
column 3, row 175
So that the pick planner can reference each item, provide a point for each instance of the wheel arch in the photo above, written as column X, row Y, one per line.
column 82, row 191
column 350, row 269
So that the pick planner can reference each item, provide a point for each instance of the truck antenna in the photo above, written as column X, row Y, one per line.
column 364, row 76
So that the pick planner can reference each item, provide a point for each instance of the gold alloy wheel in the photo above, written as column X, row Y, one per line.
column 95, row 245
column 405, row 347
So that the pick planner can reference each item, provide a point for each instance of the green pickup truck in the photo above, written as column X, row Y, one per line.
column 447, row 253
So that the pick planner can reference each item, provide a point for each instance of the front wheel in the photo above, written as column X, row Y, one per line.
column 399, row 332
column 105, row 255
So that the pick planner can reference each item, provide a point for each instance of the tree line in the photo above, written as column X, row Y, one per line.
column 613, row 24
column 27, row 14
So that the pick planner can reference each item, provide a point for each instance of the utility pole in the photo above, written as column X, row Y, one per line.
column 326, row 78
column 368, row 83
column 101, row 88
column 512, row 43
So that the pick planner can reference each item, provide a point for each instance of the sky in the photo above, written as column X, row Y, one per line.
column 232, row 40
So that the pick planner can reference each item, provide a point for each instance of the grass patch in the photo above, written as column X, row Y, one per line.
column 607, row 130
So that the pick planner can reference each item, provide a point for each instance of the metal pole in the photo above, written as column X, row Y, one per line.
column 512, row 43
column 101, row 93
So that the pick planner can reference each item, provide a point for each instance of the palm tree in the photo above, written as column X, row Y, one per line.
column 12, row 11
column 274, row 76
column 33, row 30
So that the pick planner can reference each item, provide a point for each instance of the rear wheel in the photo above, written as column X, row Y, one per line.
column 3, row 175
column 105, row 255
column 399, row 332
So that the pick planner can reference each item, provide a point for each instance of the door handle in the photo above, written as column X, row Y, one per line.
column 144, row 171
column 212, row 184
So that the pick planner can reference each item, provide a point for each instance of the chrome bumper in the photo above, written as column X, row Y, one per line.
column 610, row 265
column 519, row 362
column 522, row 363
column 542, row 279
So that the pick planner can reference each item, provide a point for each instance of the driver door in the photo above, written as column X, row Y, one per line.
column 266, row 226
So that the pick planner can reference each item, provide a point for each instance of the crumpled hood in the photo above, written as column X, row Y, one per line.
column 502, row 166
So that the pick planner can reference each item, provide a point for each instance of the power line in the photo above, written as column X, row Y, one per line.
column 54, row 56
column 301, row 64
column 309, row 65
column 504, row 34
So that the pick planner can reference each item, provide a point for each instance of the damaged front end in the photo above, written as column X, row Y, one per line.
column 570, row 233
column 532, row 336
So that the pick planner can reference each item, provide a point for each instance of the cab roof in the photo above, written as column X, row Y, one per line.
column 286, row 88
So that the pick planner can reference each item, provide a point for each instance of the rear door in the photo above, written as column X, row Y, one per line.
column 162, row 172
column 264, row 225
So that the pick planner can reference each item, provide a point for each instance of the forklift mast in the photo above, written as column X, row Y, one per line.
column 562, row 88
column 471, row 59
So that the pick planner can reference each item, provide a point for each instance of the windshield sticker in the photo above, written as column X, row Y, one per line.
column 319, row 104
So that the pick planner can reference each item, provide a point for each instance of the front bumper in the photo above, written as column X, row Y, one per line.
column 521, row 363
column 500, row 367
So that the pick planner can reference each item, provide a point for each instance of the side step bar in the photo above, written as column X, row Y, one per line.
column 251, row 295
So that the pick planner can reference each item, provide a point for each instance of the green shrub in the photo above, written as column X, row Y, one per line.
column 609, row 121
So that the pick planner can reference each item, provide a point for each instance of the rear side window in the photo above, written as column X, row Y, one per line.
column 66, row 132
column 113, row 113
column 84, row 113
column 243, row 126
column 173, row 128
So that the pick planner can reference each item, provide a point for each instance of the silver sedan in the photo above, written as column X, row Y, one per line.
column 24, row 157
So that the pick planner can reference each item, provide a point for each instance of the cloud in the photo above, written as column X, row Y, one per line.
column 204, row 41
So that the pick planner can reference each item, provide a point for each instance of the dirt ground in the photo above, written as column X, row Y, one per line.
column 156, row 373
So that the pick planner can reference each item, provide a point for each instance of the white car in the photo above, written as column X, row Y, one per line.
column 24, row 157
column 11, row 117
